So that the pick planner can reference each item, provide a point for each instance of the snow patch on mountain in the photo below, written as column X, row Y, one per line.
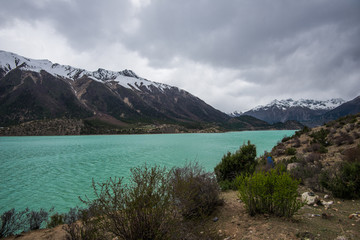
column 126, row 78
column 304, row 103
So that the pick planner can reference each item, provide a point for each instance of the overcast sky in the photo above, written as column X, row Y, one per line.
column 233, row 54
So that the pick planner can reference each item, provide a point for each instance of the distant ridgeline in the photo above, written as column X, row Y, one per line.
column 38, row 97
column 306, row 111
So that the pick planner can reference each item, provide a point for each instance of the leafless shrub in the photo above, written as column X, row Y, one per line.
column 196, row 192
column 352, row 154
column 296, row 143
column 141, row 210
column 343, row 138
column 13, row 222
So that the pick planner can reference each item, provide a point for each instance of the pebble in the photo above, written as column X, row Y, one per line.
column 353, row 215
column 215, row 219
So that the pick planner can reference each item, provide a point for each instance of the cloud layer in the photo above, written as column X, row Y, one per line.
column 232, row 54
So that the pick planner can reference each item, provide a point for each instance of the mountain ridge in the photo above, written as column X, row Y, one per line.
column 306, row 111
column 32, row 90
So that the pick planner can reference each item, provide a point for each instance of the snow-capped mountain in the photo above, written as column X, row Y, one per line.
column 126, row 78
column 303, row 110
column 39, row 89
column 304, row 103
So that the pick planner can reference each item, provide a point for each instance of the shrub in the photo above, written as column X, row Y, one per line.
column 56, row 220
column 308, row 174
column 13, row 222
column 296, row 143
column 195, row 192
column 88, row 228
column 272, row 192
column 73, row 215
column 234, row 164
column 37, row 218
column 278, row 150
column 352, row 154
column 317, row 147
column 343, row 138
column 344, row 182
column 141, row 210
column 290, row 151
column 302, row 131
column 285, row 139
column 320, row 137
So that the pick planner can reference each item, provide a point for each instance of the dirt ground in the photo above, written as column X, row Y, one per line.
column 308, row 223
column 234, row 223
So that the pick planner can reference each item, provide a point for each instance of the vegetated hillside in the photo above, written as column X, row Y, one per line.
column 313, row 151
column 40, row 90
column 245, row 122
column 350, row 107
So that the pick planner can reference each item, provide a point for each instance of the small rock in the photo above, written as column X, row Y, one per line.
column 315, row 205
column 215, row 219
column 341, row 238
column 327, row 204
column 292, row 166
column 309, row 198
column 228, row 238
column 326, row 196
column 353, row 216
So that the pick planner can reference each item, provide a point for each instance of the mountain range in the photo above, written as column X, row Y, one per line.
column 38, row 97
column 306, row 111
column 38, row 89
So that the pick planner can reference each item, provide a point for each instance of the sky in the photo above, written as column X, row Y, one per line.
column 233, row 54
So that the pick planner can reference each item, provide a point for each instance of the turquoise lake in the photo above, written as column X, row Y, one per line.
column 41, row 172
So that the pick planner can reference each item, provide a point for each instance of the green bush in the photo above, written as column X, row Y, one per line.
column 343, row 181
column 195, row 192
column 141, row 210
column 302, row 131
column 320, row 137
column 233, row 164
column 290, row 151
column 272, row 192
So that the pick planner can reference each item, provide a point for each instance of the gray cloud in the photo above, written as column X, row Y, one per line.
column 233, row 54
column 85, row 23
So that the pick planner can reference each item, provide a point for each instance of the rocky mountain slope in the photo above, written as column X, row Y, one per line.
column 38, row 89
column 306, row 111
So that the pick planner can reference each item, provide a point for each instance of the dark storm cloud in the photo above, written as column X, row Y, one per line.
column 296, row 46
column 240, row 33
column 249, row 50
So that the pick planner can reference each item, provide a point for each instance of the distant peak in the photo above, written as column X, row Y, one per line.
column 305, row 103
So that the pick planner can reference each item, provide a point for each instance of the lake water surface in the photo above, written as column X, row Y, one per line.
column 41, row 172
